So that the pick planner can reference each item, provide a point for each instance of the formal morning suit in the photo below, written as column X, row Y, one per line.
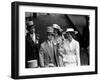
column 31, row 50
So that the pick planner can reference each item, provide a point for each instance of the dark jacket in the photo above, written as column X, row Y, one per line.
column 31, row 49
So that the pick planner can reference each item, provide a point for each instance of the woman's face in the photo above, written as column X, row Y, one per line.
column 68, row 36
column 56, row 32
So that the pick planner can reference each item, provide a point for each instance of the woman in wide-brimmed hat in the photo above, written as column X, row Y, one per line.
column 57, row 34
column 58, row 40
column 71, row 50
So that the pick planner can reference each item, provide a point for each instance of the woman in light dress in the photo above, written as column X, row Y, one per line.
column 70, row 50
column 67, row 47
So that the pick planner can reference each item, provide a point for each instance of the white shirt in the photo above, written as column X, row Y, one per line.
column 50, row 44
column 34, row 37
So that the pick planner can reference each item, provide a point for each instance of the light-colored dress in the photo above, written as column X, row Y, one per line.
column 70, row 53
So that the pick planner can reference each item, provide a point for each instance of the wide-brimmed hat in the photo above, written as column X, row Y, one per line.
column 56, row 26
column 71, row 30
column 50, row 29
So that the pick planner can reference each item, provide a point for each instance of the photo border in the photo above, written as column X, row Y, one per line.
column 15, row 39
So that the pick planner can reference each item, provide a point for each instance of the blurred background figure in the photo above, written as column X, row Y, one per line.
column 58, row 37
column 70, row 50
column 58, row 41
column 32, row 40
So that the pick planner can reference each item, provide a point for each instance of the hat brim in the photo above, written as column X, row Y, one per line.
column 58, row 29
column 72, row 32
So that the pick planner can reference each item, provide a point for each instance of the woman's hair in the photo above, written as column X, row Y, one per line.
column 71, row 33
column 59, row 32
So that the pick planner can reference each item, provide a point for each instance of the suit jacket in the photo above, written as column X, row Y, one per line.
column 31, row 49
column 45, row 57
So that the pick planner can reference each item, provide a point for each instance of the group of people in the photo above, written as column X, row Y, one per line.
column 60, row 49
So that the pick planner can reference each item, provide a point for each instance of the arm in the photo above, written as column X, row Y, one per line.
column 78, row 54
column 41, row 57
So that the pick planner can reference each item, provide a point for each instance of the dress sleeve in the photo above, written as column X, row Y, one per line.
column 78, row 53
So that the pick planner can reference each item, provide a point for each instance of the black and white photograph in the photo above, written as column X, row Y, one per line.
column 51, row 40
column 56, row 40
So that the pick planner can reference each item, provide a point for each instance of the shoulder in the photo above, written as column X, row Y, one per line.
column 28, row 38
column 75, row 42
column 44, row 44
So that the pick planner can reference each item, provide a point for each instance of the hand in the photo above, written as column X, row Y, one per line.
column 51, row 65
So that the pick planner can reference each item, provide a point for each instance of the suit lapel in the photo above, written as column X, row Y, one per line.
column 49, row 52
column 47, row 48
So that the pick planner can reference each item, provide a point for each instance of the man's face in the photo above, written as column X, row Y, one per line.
column 50, row 36
column 32, row 30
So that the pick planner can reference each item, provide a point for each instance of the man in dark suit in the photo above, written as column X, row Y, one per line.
column 32, row 57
